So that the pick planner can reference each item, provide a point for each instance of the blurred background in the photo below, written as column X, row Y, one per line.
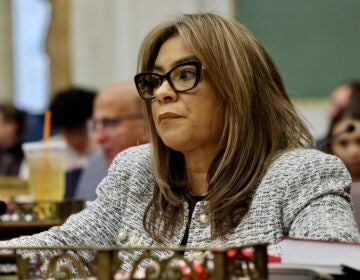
column 47, row 45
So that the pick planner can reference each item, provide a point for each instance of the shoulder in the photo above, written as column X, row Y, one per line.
column 136, row 157
column 132, row 167
column 304, row 169
column 129, row 174
column 309, row 172
column 308, row 161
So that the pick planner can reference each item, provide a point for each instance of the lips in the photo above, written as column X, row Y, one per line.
column 167, row 116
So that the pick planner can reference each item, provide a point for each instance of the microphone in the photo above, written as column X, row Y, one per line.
column 3, row 207
column 350, row 128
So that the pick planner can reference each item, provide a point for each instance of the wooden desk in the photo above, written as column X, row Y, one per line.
column 55, row 215
column 10, row 230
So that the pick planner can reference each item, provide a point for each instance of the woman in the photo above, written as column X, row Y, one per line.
column 344, row 133
column 342, row 96
column 227, row 164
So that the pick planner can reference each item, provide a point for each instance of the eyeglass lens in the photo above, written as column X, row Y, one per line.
column 109, row 123
column 181, row 78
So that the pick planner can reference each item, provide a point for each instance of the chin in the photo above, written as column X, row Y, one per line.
column 175, row 145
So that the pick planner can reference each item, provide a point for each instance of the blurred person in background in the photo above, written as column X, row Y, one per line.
column 345, row 142
column 117, row 124
column 71, row 110
column 12, row 131
column 343, row 95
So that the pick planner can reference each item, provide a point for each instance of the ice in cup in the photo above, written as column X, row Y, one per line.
column 45, row 163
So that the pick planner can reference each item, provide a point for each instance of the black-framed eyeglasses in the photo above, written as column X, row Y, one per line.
column 182, row 77
column 108, row 124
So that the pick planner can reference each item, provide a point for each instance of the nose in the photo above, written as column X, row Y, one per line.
column 354, row 150
column 165, row 93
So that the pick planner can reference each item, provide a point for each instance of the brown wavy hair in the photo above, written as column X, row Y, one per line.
column 257, row 117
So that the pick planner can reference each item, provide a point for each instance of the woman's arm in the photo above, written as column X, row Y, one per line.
column 317, row 202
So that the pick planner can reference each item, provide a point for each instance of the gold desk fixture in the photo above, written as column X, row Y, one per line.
column 64, row 263
column 13, row 186
column 33, row 217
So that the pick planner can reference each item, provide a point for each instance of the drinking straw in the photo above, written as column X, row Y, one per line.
column 47, row 125
column 43, row 166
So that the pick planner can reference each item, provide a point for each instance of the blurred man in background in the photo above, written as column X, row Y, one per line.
column 117, row 124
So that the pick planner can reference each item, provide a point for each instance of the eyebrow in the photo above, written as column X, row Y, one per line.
column 176, row 62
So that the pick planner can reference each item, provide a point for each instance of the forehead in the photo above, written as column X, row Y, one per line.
column 174, row 49
column 113, row 107
column 342, row 125
column 341, row 94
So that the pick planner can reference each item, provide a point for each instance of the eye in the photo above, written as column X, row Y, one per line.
column 184, row 73
column 110, row 122
column 152, row 81
column 187, row 74
column 147, row 83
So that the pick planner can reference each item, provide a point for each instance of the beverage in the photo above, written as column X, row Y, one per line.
column 46, row 170
column 45, row 163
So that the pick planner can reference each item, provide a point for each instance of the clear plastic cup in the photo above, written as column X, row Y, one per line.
column 45, row 163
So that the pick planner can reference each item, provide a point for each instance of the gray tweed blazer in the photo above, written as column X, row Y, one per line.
column 305, row 193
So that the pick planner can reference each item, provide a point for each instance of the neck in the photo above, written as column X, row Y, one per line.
column 198, row 184
column 197, row 166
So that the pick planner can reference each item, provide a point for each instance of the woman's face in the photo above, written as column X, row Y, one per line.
column 347, row 146
column 185, row 121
